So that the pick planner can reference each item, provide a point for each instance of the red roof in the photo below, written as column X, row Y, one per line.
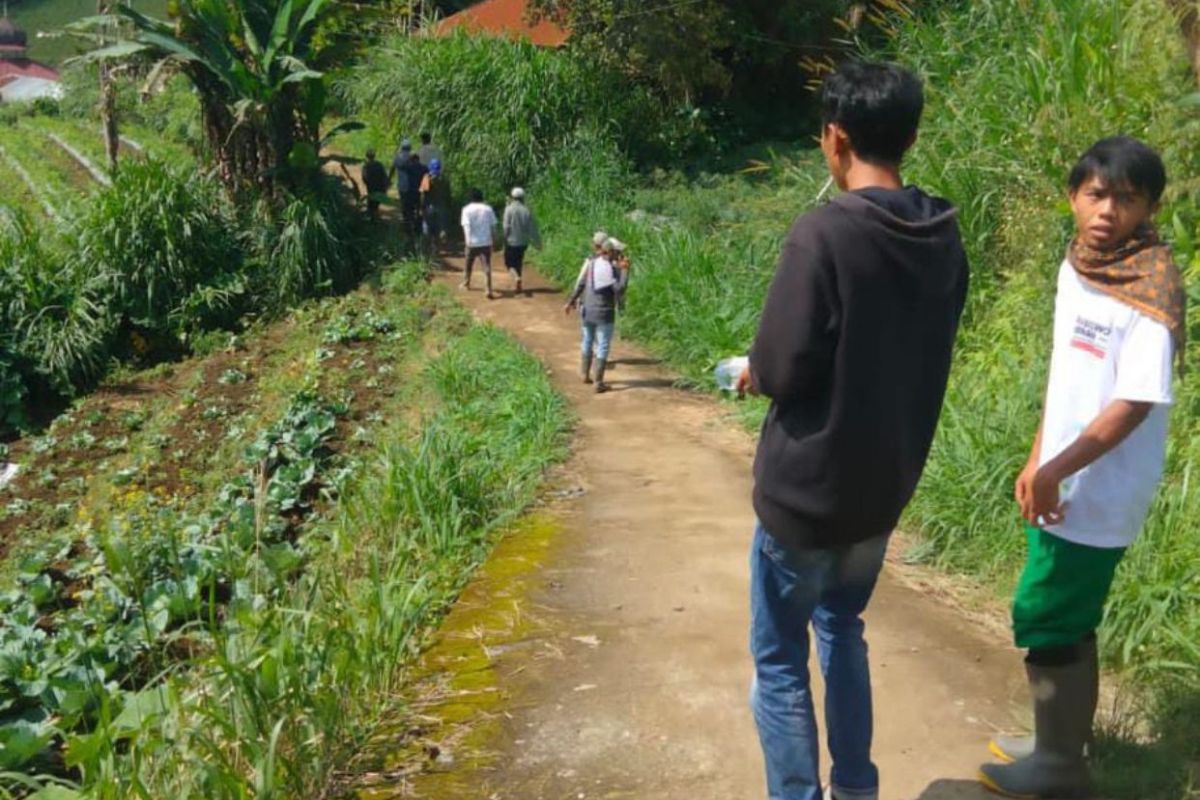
column 26, row 68
column 504, row 18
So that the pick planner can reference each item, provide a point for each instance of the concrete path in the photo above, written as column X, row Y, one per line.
column 610, row 660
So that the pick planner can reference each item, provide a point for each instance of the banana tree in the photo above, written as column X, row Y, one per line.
column 255, row 65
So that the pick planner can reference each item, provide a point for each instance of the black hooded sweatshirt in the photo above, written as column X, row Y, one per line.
column 854, row 351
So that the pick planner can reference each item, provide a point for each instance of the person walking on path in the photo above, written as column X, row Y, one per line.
column 428, row 152
column 397, row 171
column 520, row 231
column 596, row 292
column 478, row 224
column 410, row 201
column 375, row 180
column 1097, row 457
column 853, row 349
column 435, row 201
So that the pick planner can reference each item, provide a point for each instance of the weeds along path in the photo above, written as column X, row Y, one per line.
column 616, row 665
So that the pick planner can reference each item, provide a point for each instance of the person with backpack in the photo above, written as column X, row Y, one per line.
column 599, row 284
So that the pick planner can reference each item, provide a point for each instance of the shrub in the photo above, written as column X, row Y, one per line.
column 313, row 247
column 162, row 251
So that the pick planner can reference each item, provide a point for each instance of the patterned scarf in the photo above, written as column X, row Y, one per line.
column 1140, row 273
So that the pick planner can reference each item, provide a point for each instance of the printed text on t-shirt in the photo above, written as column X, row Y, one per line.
column 1091, row 337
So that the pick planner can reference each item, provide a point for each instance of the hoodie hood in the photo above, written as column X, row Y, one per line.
column 916, row 232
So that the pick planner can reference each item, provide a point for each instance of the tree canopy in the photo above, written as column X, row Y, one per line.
column 745, row 52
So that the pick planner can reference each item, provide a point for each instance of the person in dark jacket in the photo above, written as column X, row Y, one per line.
column 375, row 180
column 853, row 349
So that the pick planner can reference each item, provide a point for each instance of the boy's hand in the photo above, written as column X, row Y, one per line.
column 1024, row 486
column 745, row 384
column 1042, row 505
column 568, row 308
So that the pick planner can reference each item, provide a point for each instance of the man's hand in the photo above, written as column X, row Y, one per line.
column 568, row 308
column 745, row 384
column 1042, row 505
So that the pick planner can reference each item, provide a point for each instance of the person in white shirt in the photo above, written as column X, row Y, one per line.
column 1097, row 458
column 478, row 223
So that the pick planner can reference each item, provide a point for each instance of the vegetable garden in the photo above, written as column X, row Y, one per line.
column 192, row 608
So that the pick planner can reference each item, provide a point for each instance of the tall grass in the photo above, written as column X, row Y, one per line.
column 500, row 109
column 1013, row 104
column 139, row 270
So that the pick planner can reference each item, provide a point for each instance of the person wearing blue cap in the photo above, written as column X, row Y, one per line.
column 435, row 200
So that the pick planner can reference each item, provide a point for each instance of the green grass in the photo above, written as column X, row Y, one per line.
column 308, row 650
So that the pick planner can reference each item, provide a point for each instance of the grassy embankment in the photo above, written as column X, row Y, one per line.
column 218, row 571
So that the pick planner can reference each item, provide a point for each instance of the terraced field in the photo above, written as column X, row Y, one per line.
column 48, row 163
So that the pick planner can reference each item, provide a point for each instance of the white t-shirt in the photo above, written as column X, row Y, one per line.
column 478, row 220
column 1105, row 350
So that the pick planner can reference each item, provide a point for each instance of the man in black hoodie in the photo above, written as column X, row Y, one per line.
column 853, row 350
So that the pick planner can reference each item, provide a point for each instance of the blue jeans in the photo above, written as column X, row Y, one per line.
column 599, row 335
column 789, row 588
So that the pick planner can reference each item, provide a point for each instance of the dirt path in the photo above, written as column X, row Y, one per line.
column 611, row 662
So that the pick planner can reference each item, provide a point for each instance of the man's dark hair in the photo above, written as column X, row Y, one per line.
column 475, row 195
column 426, row 138
column 1122, row 161
column 878, row 106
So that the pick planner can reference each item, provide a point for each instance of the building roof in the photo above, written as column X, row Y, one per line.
column 25, row 88
column 25, row 68
column 12, row 38
column 504, row 18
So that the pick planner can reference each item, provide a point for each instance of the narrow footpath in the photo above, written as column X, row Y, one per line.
column 620, row 666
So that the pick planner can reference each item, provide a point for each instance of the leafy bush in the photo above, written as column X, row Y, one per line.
column 500, row 109
column 161, row 250
column 143, row 268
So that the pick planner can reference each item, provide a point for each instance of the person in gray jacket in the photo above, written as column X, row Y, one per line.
column 599, row 285
column 520, row 231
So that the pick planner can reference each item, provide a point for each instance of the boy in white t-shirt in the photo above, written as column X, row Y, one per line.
column 479, row 224
column 1097, row 458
